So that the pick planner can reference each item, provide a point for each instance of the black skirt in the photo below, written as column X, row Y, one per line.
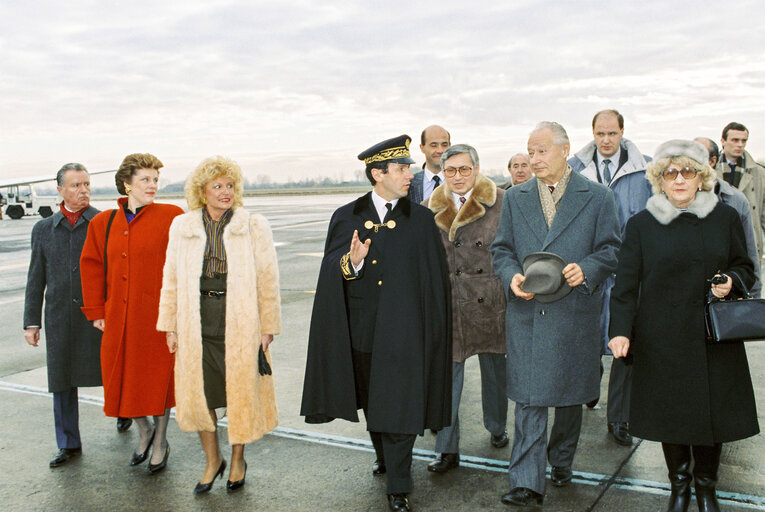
column 213, row 313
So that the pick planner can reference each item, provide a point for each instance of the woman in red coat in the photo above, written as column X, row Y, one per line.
column 121, row 268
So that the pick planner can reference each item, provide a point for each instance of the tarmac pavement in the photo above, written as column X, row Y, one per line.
column 301, row 467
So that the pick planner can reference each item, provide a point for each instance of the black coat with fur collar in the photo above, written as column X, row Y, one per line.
column 684, row 391
column 407, row 316
column 478, row 301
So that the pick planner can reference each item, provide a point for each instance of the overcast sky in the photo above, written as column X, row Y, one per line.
column 293, row 89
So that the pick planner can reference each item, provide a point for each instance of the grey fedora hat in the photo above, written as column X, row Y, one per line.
column 544, row 277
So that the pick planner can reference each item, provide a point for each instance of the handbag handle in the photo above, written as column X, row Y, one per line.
column 737, row 282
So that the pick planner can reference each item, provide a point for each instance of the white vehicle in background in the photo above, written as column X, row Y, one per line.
column 18, row 197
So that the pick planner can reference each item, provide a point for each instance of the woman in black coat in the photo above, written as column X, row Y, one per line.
column 689, row 395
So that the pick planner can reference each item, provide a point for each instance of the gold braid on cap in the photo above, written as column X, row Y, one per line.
column 389, row 154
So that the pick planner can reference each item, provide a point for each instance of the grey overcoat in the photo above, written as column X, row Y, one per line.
column 553, row 350
column 73, row 345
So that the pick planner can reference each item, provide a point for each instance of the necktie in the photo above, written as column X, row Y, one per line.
column 607, row 171
column 436, row 182
column 389, row 207
column 462, row 201
column 732, row 175
column 551, row 187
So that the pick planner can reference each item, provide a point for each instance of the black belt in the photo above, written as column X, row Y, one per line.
column 213, row 293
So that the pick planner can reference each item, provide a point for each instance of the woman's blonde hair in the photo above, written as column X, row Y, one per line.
column 208, row 170
column 656, row 168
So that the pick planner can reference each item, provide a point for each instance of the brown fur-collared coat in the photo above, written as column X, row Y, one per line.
column 252, row 309
column 478, row 302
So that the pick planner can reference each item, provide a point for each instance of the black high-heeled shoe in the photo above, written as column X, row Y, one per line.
column 137, row 458
column 156, row 468
column 235, row 486
column 203, row 488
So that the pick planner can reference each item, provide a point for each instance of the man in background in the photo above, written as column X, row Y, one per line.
column 433, row 142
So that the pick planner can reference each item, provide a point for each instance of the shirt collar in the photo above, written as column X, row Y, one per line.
column 456, row 198
column 429, row 175
column 614, row 159
column 379, row 204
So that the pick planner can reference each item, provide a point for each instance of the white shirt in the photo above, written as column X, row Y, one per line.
column 613, row 164
column 428, row 186
column 456, row 198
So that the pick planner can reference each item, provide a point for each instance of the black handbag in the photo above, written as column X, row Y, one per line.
column 734, row 319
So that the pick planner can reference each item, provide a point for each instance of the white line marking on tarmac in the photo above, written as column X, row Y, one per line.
column 312, row 254
column 15, row 265
column 11, row 301
column 302, row 224
column 497, row 466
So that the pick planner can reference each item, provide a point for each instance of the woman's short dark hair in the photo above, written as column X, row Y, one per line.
column 133, row 163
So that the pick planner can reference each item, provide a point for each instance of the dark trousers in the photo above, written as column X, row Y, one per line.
column 619, row 388
column 530, row 447
column 395, row 450
column 66, row 417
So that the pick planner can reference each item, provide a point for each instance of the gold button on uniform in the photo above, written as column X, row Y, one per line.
column 374, row 262
column 379, row 283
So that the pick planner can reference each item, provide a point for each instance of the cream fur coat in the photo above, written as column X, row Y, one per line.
column 252, row 309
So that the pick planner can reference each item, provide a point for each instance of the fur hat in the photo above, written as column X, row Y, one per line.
column 690, row 148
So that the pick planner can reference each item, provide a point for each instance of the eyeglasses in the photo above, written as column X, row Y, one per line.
column 450, row 172
column 671, row 174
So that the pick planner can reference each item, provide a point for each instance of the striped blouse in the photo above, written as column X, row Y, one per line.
column 215, row 253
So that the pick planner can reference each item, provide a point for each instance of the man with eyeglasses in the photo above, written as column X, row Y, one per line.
column 380, row 336
column 467, row 211
column 553, row 339
column 738, row 201
column 617, row 163
column 433, row 142
column 739, row 169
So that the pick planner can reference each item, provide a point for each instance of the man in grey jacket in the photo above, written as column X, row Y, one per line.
column 73, row 345
column 735, row 198
column 617, row 163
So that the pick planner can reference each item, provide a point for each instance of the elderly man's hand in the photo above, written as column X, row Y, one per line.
column 32, row 335
column 515, row 286
column 620, row 346
column 359, row 251
column 573, row 274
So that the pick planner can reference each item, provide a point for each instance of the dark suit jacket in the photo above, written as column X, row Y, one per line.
column 415, row 188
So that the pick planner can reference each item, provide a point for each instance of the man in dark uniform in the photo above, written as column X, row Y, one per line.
column 380, row 336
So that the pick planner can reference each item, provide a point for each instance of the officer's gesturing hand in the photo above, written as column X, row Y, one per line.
column 359, row 250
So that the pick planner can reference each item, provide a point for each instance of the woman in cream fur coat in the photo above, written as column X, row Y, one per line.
column 217, row 325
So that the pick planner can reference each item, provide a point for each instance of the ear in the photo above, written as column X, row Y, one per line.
column 60, row 190
column 376, row 174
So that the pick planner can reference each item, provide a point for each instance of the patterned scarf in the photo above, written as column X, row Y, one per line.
column 72, row 217
column 549, row 199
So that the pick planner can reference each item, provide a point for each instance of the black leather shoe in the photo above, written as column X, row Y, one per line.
column 499, row 441
column 235, row 486
column 621, row 433
column 522, row 497
column 137, row 458
column 64, row 455
column 156, row 468
column 444, row 462
column 398, row 502
column 123, row 424
column 592, row 403
column 378, row 468
column 203, row 488
column 561, row 475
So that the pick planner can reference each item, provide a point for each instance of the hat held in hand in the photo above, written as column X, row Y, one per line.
column 544, row 277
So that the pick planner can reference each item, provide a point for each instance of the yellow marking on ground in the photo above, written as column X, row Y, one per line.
column 313, row 254
column 290, row 226
column 15, row 265
column 310, row 291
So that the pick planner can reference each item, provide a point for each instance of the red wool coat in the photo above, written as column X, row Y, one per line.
column 136, row 366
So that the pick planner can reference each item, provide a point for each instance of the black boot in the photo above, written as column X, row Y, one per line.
column 706, row 462
column 678, row 458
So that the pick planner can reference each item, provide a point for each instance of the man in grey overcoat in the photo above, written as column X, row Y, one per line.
column 553, row 349
column 73, row 345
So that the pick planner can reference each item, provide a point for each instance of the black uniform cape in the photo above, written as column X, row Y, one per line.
column 410, row 382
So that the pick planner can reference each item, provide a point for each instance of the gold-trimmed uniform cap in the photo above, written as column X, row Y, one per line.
column 394, row 150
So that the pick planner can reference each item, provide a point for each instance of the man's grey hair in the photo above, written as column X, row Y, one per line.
column 560, row 137
column 68, row 167
column 458, row 149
